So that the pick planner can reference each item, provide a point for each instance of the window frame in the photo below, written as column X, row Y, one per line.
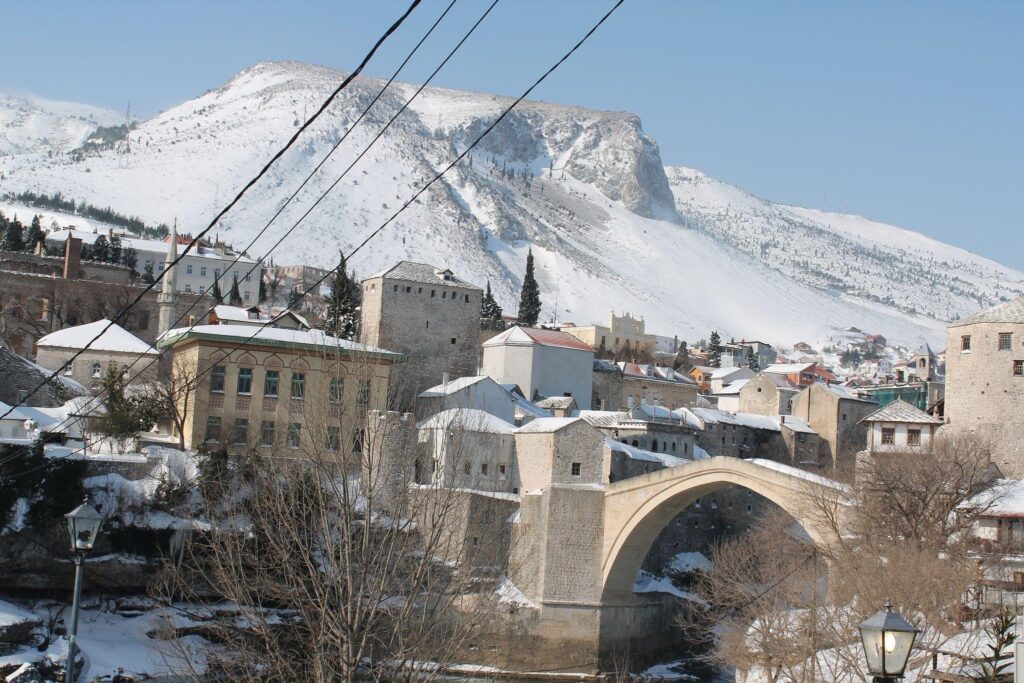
column 210, row 421
column 888, row 436
column 271, row 377
column 298, row 380
column 335, row 390
column 268, row 430
column 247, row 378
column 241, row 426
column 576, row 469
column 913, row 437
column 294, row 430
column 218, row 378
column 965, row 343
column 1004, row 337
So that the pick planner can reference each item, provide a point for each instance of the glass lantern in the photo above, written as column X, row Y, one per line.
column 84, row 526
column 887, row 639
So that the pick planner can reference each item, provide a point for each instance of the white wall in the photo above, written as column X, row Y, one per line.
column 875, row 436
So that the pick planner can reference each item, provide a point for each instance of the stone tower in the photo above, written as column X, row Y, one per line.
column 428, row 314
column 168, row 294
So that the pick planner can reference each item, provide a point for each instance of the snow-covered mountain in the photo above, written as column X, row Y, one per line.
column 32, row 124
column 609, row 227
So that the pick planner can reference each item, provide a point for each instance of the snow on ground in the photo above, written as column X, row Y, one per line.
column 509, row 594
column 669, row 671
column 649, row 583
column 689, row 562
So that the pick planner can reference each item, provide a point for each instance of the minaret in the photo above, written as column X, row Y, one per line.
column 168, row 292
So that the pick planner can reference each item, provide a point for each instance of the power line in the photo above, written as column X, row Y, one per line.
column 120, row 315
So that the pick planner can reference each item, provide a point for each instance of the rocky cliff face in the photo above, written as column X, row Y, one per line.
column 587, row 190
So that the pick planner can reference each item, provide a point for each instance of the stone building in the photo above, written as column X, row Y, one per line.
column 985, row 381
column 798, row 374
column 554, row 451
column 660, row 386
column 648, row 428
column 427, row 314
column 282, row 392
column 835, row 413
column 900, row 426
column 116, row 345
column 622, row 332
column 607, row 380
column 767, row 394
column 19, row 377
column 782, row 438
column 542, row 363
column 467, row 449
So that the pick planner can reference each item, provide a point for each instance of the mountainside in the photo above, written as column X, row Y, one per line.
column 610, row 229
column 32, row 124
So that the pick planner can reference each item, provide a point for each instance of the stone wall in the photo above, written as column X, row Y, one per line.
column 983, row 395
column 84, row 371
column 607, row 391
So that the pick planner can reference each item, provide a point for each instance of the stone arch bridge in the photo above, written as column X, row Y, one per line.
column 577, row 550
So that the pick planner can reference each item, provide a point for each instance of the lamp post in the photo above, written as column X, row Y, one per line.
column 887, row 638
column 84, row 526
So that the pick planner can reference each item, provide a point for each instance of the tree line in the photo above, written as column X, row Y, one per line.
column 58, row 202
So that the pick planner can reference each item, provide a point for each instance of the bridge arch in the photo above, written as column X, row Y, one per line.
column 639, row 508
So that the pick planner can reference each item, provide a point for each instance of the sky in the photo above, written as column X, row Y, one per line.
column 911, row 113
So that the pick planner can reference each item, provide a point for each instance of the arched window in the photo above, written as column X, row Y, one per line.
column 97, row 369
column 654, row 445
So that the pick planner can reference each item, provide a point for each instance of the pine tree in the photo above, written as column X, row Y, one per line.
column 263, row 290
column 215, row 291
column 295, row 300
column 115, row 249
column 715, row 351
column 529, row 298
column 129, row 257
column 682, row 360
column 343, row 306
column 147, row 273
column 35, row 235
column 490, row 311
column 234, row 297
column 14, row 238
column 752, row 359
column 100, row 249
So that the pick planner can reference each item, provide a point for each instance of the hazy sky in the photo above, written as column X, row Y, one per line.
column 909, row 112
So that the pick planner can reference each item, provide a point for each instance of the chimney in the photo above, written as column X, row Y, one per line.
column 782, row 419
column 72, row 258
column 444, row 381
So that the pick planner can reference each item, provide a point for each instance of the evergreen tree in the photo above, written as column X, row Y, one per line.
column 490, row 311
column 715, row 351
column 215, row 292
column 129, row 257
column 14, row 237
column 115, row 249
column 682, row 360
column 529, row 298
column 147, row 273
column 234, row 296
column 295, row 300
column 100, row 250
column 263, row 291
column 342, row 308
column 35, row 235
column 752, row 359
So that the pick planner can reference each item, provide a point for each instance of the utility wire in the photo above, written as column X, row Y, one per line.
column 120, row 315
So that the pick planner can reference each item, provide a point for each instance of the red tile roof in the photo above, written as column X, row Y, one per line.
column 556, row 338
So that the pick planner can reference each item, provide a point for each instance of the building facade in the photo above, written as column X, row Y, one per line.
column 985, row 381
column 621, row 332
column 429, row 315
column 542, row 363
column 135, row 358
column 835, row 413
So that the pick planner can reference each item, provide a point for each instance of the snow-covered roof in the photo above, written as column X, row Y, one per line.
column 546, row 425
column 467, row 419
column 148, row 246
column 1004, row 499
column 801, row 474
column 15, row 415
column 787, row 368
column 424, row 273
column 647, row 411
column 453, row 386
column 843, row 392
column 531, row 336
column 635, row 453
column 316, row 340
column 236, row 313
column 901, row 411
column 698, row 417
column 1011, row 311
column 602, row 418
column 722, row 373
column 114, row 339
column 732, row 388
column 557, row 403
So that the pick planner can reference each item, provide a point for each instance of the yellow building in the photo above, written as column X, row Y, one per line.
column 277, row 391
column 622, row 331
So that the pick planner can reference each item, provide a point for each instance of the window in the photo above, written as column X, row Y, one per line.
column 298, row 385
column 453, row 341
column 408, row 290
column 888, row 435
column 432, row 293
column 364, row 393
column 965, row 343
column 188, row 288
column 501, row 471
column 69, row 369
column 245, row 380
column 333, row 439
column 241, row 436
column 396, row 288
column 466, row 468
column 22, row 395
column 576, row 469
column 1005, row 341
column 467, row 298
column 212, row 429
column 216, row 273
column 444, row 295
column 357, row 444
column 483, row 468
column 217, row 378
column 124, row 370
column 913, row 437
column 202, row 290
column 419, row 290
column 294, row 434
column 247, row 276
column 336, row 387
column 270, row 383
column 188, row 269
column 267, row 433
column 97, row 369
column 202, row 271
column 245, row 295
column 1018, row 368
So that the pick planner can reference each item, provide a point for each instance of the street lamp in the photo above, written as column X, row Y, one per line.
column 84, row 526
column 887, row 639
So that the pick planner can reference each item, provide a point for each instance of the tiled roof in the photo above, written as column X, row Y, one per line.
column 602, row 418
column 844, row 393
column 901, row 411
column 787, row 368
column 1007, row 312
column 605, row 366
column 529, row 336
column 410, row 271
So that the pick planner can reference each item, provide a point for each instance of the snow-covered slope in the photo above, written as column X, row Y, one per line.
column 586, row 189
column 31, row 124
